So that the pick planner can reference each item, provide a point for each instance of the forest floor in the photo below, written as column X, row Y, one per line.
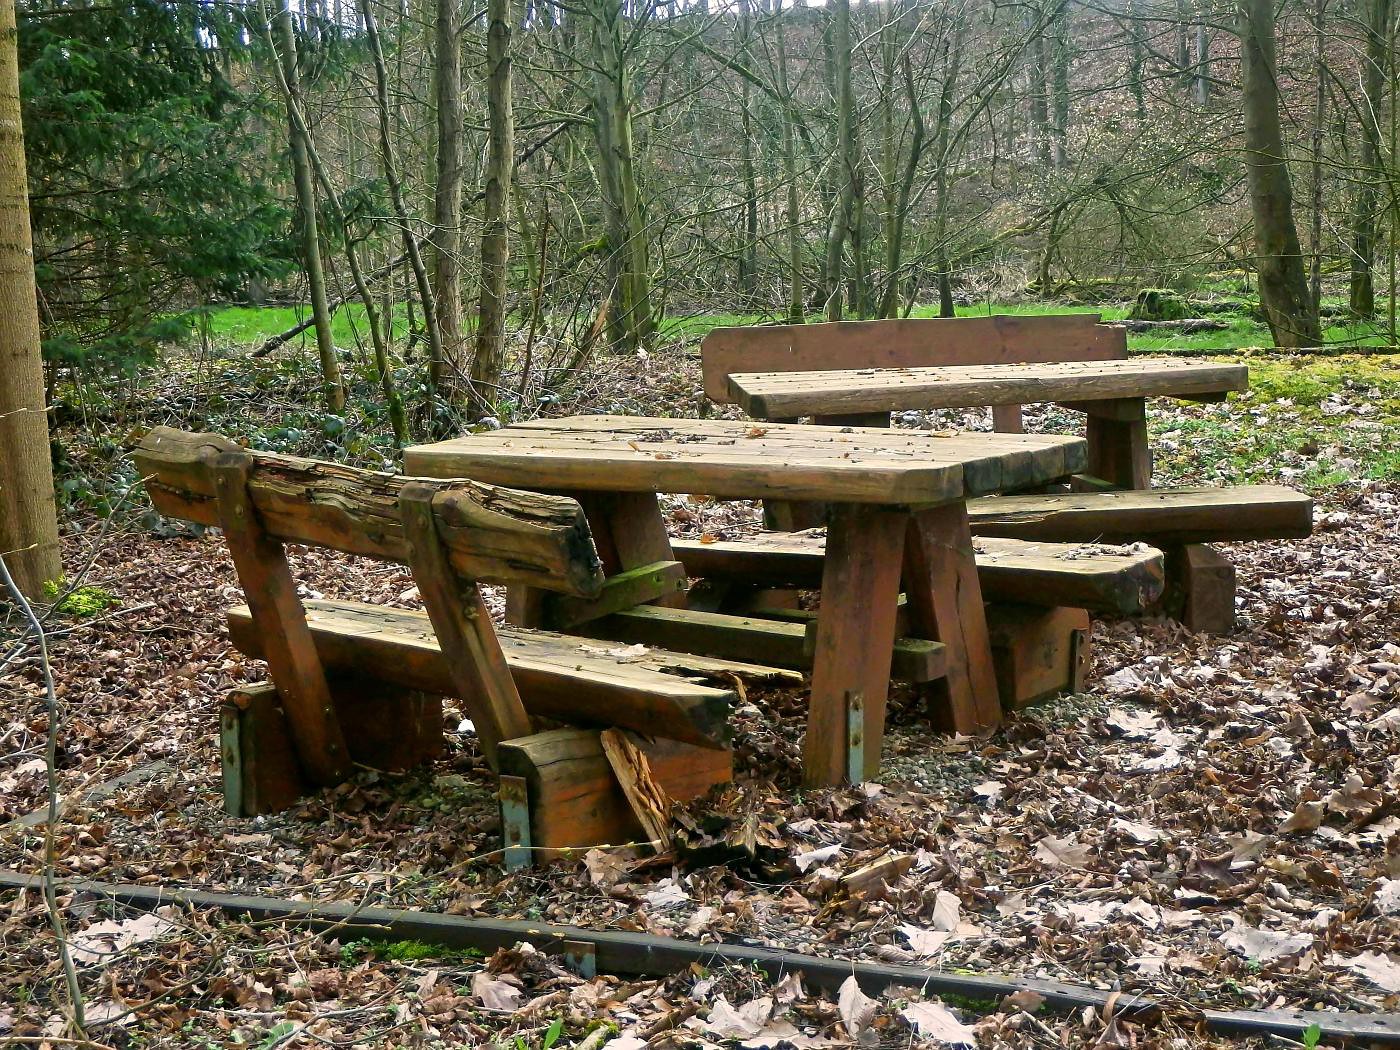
column 1217, row 820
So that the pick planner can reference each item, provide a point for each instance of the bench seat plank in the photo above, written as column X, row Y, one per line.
column 568, row 679
column 1088, row 576
column 1163, row 517
column 787, row 394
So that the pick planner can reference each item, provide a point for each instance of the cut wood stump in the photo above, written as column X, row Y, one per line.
column 575, row 801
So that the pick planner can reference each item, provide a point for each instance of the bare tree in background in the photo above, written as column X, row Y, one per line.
column 1283, row 280
column 489, row 357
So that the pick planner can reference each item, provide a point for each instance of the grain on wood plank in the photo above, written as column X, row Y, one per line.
column 293, row 663
column 736, row 460
column 491, row 533
column 1159, row 516
column 575, row 801
column 855, row 638
column 750, row 638
column 564, row 678
column 945, row 603
column 852, row 391
column 649, row 801
column 903, row 343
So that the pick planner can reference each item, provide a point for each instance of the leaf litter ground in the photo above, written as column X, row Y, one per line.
column 1217, row 821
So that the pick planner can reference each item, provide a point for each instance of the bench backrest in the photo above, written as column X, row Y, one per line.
column 451, row 533
column 905, row 343
column 488, row 533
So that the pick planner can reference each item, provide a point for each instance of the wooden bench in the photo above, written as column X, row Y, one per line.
column 1182, row 521
column 337, row 668
column 1116, row 580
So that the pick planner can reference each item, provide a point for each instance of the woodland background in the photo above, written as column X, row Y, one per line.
column 481, row 204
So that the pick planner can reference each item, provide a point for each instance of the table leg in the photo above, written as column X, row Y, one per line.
column 855, row 638
column 945, row 604
column 1118, row 449
column 1006, row 419
column 629, row 532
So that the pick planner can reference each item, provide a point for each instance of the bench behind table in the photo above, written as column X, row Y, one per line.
column 452, row 534
column 1201, row 582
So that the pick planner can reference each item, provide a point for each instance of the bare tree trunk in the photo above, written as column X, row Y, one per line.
column 28, row 517
column 489, row 358
column 378, row 334
column 447, row 197
column 1059, row 76
column 1319, row 116
column 844, row 213
column 1283, row 285
column 796, row 294
column 1363, row 237
column 631, row 319
column 748, row 254
column 331, row 380
column 1039, row 76
column 1201, row 81
column 391, row 176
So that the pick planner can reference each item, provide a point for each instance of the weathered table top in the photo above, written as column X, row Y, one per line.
column 736, row 459
column 777, row 395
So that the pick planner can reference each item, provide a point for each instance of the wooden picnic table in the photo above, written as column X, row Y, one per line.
column 1111, row 393
column 898, row 510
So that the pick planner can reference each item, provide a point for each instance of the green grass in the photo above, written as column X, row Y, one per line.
column 253, row 325
column 1312, row 421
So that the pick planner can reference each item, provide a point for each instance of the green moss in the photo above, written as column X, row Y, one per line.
column 413, row 951
column 81, row 603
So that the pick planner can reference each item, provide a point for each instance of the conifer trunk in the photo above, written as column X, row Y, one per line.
column 28, row 518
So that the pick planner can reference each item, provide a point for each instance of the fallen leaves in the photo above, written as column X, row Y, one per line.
column 935, row 1021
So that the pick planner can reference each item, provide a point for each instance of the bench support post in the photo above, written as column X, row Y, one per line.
column 290, row 651
column 1117, row 438
column 1202, row 585
column 463, row 627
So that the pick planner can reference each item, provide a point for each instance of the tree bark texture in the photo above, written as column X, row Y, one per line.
column 489, row 357
column 631, row 319
column 1283, row 280
column 447, row 194
column 28, row 518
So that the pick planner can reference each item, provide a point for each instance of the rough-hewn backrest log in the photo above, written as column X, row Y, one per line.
column 905, row 343
column 489, row 533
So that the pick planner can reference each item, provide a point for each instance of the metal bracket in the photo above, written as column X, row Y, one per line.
column 855, row 736
column 582, row 958
column 515, row 823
